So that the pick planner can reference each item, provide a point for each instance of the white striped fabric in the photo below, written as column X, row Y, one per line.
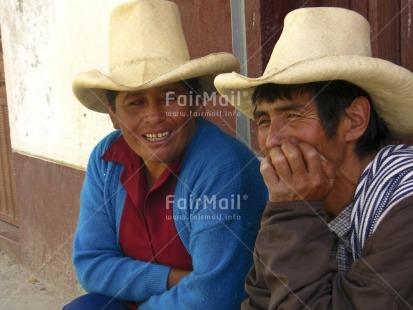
column 385, row 182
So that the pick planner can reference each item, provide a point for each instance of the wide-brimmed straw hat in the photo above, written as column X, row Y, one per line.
column 323, row 44
column 147, row 49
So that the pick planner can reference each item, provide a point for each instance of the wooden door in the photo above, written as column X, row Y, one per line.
column 7, row 199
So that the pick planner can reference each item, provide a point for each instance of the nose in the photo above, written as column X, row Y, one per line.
column 277, row 134
column 154, row 112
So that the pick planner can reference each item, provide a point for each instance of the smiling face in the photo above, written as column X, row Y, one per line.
column 294, row 120
column 156, row 123
column 290, row 117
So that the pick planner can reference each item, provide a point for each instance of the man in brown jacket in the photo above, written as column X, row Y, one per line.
column 337, row 231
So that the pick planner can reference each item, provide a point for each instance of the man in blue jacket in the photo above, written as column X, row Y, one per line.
column 170, row 205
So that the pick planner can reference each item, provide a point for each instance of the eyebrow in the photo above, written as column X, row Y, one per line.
column 291, row 106
column 257, row 114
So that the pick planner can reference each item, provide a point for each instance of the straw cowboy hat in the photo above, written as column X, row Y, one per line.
column 322, row 44
column 147, row 48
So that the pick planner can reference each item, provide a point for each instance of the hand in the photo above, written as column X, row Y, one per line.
column 296, row 172
column 175, row 275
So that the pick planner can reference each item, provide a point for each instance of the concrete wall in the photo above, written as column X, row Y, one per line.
column 45, row 44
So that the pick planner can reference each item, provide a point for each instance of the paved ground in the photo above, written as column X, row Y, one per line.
column 19, row 290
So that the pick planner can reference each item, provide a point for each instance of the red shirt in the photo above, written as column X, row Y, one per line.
column 147, row 229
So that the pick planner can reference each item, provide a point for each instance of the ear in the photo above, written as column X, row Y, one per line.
column 112, row 116
column 358, row 116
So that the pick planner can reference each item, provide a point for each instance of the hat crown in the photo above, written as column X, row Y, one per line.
column 311, row 33
column 157, row 47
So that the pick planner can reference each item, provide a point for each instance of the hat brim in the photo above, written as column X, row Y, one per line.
column 390, row 86
column 90, row 87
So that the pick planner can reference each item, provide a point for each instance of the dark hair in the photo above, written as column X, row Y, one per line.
column 111, row 96
column 191, row 84
column 332, row 99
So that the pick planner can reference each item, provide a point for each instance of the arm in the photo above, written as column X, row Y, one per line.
column 176, row 275
column 299, row 272
column 220, row 239
column 294, row 245
column 293, row 263
column 257, row 289
column 221, row 260
column 100, row 265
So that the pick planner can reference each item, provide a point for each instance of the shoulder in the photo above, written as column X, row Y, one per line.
column 96, row 164
column 398, row 216
column 386, row 256
column 218, row 167
column 211, row 145
column 106, row 142
column 395, row 223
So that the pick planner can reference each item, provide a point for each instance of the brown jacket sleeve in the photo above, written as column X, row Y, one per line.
column 293, row 269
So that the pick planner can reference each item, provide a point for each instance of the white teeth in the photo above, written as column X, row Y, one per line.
column 157, row 136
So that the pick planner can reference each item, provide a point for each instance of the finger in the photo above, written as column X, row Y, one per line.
column 318, row 166
column 295, row 159
column 271, row 179
column 280, row 163
column 268, row 172
column 311, row 158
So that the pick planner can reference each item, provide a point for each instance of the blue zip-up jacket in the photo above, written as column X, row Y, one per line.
column 218, row 202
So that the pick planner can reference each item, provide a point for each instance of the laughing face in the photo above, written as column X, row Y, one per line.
column 156, row 123
column 297, row 121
